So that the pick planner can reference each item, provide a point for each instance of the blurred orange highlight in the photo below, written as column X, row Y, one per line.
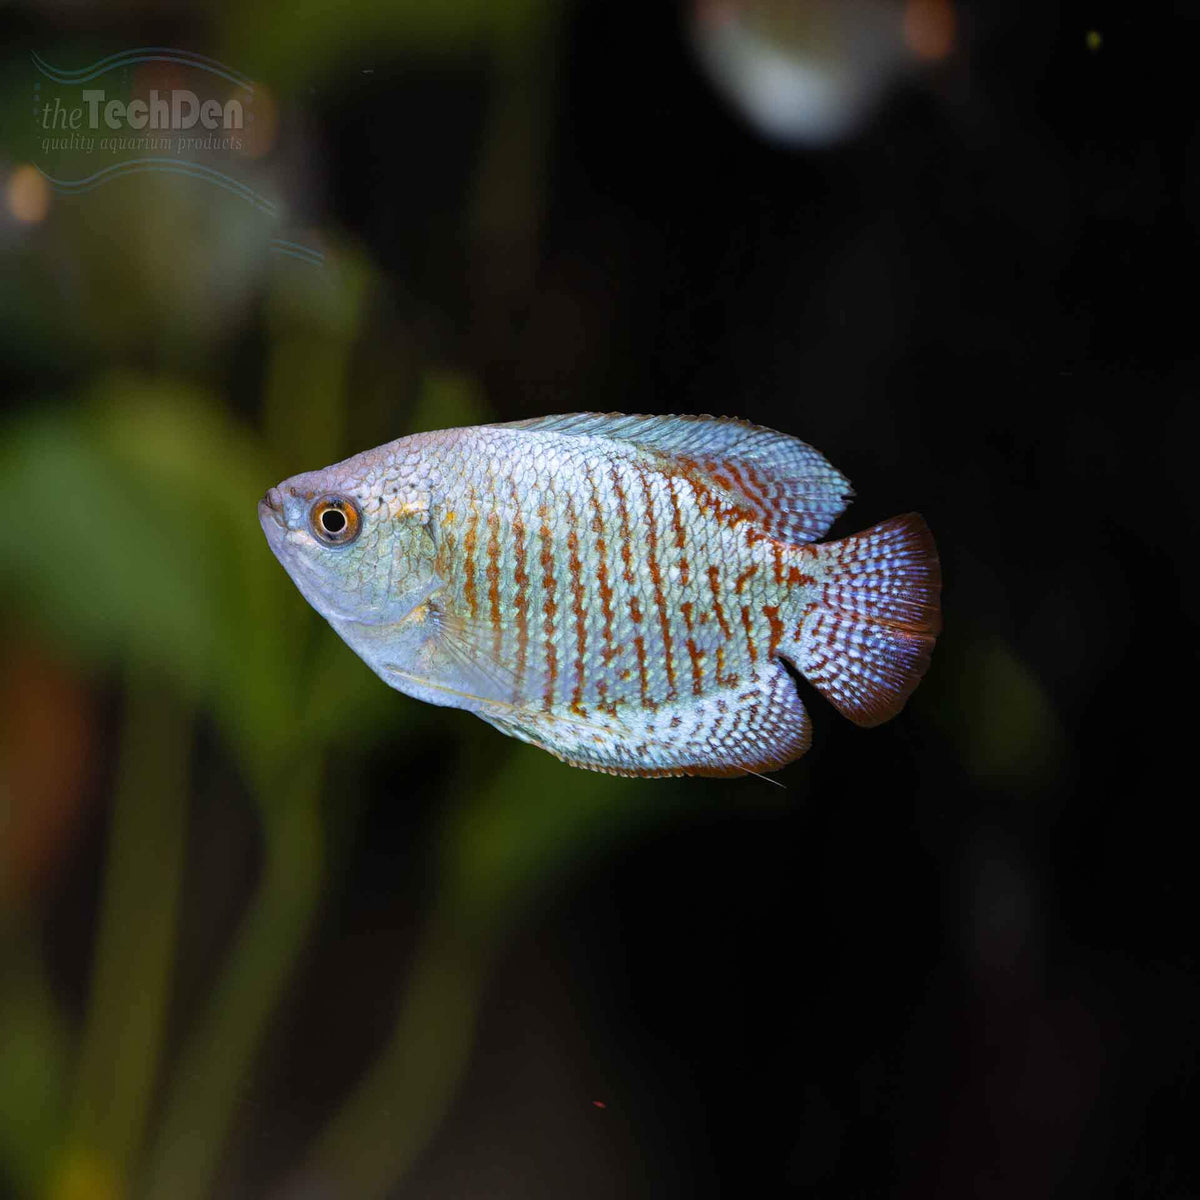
column 45, row 745
column 28, row 195
column 929, row 28
column 262, row 122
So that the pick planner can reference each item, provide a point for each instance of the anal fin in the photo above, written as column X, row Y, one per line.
column 758, row 725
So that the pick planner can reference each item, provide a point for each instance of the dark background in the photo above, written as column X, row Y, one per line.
column 957, row 956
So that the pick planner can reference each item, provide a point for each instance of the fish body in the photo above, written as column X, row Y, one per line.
column 627, row 592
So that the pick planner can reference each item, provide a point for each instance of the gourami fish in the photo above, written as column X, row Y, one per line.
column 627, row 592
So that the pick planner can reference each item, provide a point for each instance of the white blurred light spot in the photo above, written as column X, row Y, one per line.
column 27, row 195
column 807, row 74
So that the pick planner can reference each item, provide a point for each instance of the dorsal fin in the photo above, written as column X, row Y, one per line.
column 790, row 488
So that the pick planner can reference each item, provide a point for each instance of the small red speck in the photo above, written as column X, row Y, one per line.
column 599, row 1104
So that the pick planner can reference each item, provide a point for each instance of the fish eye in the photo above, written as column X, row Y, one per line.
column 335, row 520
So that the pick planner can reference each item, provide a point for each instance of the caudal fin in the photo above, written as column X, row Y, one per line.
column 867, row 641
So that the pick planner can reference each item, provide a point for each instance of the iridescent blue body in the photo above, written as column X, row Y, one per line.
column 620, row 590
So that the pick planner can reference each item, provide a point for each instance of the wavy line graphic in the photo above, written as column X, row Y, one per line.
column 296, row 249
column 313, row 258
column 170, row 166
column 166, row 166
column 140, row 54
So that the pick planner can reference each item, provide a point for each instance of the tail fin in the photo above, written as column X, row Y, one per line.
column 866, row 641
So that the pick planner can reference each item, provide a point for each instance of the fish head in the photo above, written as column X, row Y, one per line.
column 354, row 540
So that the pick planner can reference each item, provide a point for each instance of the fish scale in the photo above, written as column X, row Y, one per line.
column 576, row 561
column 622, row 591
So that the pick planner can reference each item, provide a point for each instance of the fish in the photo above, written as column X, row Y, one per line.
column 635, row 594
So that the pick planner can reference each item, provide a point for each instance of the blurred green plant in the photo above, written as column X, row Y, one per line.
column 151, row 567
column 501, row 846
column 298, row 42
column 998, row 715
column 156, row 561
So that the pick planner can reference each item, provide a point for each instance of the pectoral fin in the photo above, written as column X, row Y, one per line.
column 473, row 655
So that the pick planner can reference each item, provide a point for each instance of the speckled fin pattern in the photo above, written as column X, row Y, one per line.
column 758, row 725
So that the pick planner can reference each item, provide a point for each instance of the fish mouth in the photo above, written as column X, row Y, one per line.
column 270, row 510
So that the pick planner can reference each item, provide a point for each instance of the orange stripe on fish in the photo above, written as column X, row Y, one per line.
column 697, row 667
column 656, row 581
column 639, row 649
column 680, row 532
column 750, row 647
column 493, row 575
column 549, row 605
column 469, row 550
column 771, row 612
column 693, row 653
column 714, row 582
column 521, row 599
column 577, row 593
column 602, row 584
column 723, row 679
column 623, row 516
column 745, row 577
